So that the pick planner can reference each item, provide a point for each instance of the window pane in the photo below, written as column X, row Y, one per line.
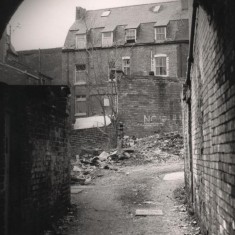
column 130, row 34
column 80, row 67
column 160, row 63
column 160, row 33
column 80, row 75
column 158, row 71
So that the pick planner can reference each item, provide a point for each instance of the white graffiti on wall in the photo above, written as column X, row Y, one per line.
column 157, row 120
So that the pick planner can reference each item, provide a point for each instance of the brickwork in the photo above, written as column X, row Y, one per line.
column 149, row 105
column 213, row 118
column 91, row 138
column 39, row 157
column 140, row 59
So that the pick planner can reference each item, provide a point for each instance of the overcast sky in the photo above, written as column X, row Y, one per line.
column 45, row 23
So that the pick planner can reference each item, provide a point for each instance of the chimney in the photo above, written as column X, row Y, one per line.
column 184, row 4
column 80, row 13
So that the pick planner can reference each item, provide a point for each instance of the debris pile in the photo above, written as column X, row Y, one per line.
column 159, row 148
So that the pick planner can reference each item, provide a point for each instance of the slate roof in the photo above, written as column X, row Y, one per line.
column 131, row 16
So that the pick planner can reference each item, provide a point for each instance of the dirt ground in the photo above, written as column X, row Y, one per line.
column 108, row 205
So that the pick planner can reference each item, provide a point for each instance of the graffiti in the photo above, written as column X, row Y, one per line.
column 152, row 120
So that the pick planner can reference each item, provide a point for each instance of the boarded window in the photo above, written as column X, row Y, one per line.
column 80, row 105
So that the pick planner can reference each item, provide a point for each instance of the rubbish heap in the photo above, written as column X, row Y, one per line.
column 160, row 148
column 157, row 148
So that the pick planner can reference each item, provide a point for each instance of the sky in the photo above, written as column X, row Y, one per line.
column 45, row 23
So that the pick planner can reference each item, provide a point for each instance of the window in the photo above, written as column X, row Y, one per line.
column 80, row 105
column 107, row 39
column 80, row 74
column 126, row 65
column 130, row 35
column 161, row 65
column 156, row 8
column 160, row 33
column 80, row 41
column 105, row 13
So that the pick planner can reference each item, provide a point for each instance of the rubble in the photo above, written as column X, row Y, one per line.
column 159, row 148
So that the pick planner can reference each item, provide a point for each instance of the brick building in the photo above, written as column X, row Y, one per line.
column 133, row 40
column 47, row 61
column 34, row 148
column 209, row 116
column 13, row 71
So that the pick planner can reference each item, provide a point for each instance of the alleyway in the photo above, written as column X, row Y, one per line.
column 109, row 205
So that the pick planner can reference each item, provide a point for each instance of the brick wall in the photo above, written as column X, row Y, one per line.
column 92, row 138
column 39, row 157
column 213, row 118
column 149, row 105
column 140, row 57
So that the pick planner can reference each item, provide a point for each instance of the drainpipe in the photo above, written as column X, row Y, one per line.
column 188, row 83
column 190, row 58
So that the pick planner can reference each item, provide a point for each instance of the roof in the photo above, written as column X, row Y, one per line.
column 131, row 16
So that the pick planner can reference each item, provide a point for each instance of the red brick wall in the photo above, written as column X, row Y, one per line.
column 149, row 105
column 213, row 118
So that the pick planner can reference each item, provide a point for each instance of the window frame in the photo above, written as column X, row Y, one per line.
column 167, row 65
column 111, row 39
column 85, row 41
column 124, row 65
column 80, row 98
column 135, row 35
column 83, row 71
column 160, row 27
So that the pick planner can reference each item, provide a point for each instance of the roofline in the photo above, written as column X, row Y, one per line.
column 34, row 50
column 170, row 1
column 19, row 70
column 186, row 41
column 26, row 72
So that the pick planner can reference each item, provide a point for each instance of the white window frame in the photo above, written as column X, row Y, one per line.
column 110, row 41
column 125, row 66
column 167, row 65
column 126, row 34
column 84, row 41
column 81, row 72
column 80, row 98
column 162, row 27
